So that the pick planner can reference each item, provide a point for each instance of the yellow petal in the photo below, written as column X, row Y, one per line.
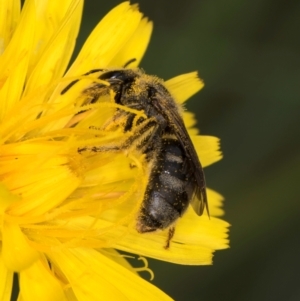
column 107, row 39
column 207, row 232
column 40, row 197
column 148, row 244
column 208, row 149
column 152, row 245
column 9, row 17
column 6, row 198
column 49, row 18
column 190, row 121
column 37, row 283
column 118, row 258
column 14, row 61
column 6, row 281
column 135, row 46
column 91, row 273
column 184, row 86
column 16, row 252
column 215, row 202
column 52, row 56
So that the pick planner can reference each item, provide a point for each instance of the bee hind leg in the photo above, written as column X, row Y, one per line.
column 170, row 236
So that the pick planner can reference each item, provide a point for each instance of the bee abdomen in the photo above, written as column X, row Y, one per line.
column 169, row 189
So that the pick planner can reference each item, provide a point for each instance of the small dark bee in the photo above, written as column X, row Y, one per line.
column 176, row 175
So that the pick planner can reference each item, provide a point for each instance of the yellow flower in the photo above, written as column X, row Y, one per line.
column 64, row 214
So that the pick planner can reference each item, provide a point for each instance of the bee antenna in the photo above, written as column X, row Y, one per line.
column 129, row 62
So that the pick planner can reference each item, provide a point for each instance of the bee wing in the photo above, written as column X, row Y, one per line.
column 199, row 198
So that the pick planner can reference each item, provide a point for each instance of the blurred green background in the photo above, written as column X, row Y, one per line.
column 248, row 53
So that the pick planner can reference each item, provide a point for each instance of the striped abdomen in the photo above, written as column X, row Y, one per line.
column 170, row 188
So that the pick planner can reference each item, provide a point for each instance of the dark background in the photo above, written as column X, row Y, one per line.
column 248, row 53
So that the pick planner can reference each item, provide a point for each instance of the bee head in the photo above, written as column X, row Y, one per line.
column 129, row 89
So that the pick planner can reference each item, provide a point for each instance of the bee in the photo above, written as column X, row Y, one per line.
column 176, row 177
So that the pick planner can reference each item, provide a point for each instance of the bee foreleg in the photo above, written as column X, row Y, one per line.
column 140, row 137
column 71, row 84
column 119, row 119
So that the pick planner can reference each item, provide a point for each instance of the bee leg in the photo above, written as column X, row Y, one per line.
column 129, row 62
column 92, row 127
column 98, row 149
column 170, row 236
column 147, row 130
column 116, row 121
column 71, row 84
